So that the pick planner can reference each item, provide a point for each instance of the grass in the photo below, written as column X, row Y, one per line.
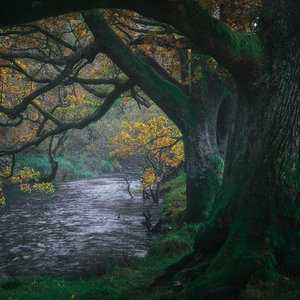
column 174, row 193
column 276, row 286
column 134, row 283
column 119, row 283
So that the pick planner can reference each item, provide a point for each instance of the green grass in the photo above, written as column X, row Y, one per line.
column 276, row 286
column 174, row 193
column 133, row 282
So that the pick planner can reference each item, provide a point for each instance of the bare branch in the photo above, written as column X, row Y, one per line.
column 97, row 115
column 50, row 35
column 47, row 115
column 21, row 118
column 93, row 91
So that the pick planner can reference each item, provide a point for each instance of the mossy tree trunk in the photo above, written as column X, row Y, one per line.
column 253, row 227
column 195, row 115
column 204, row 166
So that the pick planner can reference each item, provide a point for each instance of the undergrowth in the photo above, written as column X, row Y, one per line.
column 276, row 286
column 174, row 194
column 67, row 168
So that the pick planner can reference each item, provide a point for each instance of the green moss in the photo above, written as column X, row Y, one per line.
column 174, row 193
column 175, row 242
column 275, row 287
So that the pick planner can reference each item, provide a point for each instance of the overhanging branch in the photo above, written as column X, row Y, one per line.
column 97, row 115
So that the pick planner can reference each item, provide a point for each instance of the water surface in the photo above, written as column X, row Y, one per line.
column 84, row 227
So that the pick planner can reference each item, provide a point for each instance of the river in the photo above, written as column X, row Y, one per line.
column 81, row 230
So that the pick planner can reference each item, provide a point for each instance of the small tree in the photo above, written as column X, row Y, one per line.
column 156, row 148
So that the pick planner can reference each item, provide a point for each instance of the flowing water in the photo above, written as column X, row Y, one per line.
column 84, row 228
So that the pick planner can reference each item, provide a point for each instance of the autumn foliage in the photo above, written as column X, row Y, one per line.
column 155, row 145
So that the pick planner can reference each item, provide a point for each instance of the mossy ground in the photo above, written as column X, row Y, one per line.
column 174, row 193
column 277, row 286
column 132, row 279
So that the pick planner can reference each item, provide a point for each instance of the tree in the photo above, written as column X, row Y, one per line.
column 253, row 225
column 262, row 161
column 200, row 194
column 38, row 97
column 156, row 147
column 195, row 113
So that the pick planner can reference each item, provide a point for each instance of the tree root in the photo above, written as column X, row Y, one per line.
column 226, row 257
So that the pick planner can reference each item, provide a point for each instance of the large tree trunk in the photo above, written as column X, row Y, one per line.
column 204, row 166
column 253, row 227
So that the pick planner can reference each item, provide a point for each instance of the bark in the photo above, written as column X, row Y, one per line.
column 208, row 34
column 53, row 163
column 204, row 166
column 225, row 120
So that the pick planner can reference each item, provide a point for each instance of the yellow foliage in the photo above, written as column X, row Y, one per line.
column 2, row 198
column 156, row 139
column 44, row 187
column 25, row 175
column 25, row 187
column 28, row 175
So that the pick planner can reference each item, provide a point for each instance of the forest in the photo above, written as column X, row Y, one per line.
column 200, row 94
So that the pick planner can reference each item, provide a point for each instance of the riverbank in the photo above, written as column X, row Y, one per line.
column 70, row 167
column 132, row 278
column 129, row 280
column 132, row 273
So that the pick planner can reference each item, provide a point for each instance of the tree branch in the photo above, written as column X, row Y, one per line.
column 241, row 54
column 87, row 52
column 167, row 95
column 21, row 118
column 97, row 115
column 50, row 35
column 47, row 115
